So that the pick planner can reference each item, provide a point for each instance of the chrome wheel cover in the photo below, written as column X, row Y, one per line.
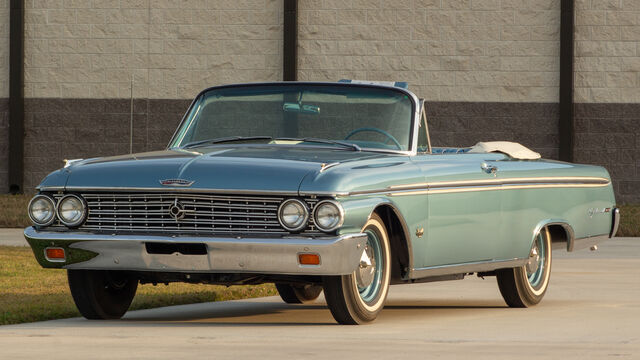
column 536, row 266
column 369, row 273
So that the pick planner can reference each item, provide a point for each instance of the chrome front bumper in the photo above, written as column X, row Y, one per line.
column 339, row 255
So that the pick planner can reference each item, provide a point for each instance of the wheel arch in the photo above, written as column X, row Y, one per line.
column 397, row 230
column 561, row 233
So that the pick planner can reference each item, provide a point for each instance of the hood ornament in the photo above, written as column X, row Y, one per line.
column 176, row 182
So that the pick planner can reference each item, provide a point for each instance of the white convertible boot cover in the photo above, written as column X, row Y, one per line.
column 515, row 150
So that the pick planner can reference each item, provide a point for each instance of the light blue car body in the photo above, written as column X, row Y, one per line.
column 450, row 215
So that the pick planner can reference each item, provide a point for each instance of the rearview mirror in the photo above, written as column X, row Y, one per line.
column 305, row 109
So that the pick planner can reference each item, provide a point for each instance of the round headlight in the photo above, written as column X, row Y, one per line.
column 328, row 215
column 42, row 210
column 71, row 210
column 293, row 215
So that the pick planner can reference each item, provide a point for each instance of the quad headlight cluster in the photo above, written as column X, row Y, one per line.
column 293, row 215
column 70, row 210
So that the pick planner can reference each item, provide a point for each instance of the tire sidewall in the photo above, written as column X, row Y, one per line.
column 530, row 294
column 369, row 311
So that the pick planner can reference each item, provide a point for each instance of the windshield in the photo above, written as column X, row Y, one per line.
column 347, row 117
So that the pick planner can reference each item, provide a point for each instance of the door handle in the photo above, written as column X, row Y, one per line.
column 489, row 169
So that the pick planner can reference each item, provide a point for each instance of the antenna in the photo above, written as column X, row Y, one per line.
column 131, row 119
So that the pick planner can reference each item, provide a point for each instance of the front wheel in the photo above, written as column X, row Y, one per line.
column 526, row 285
column 101, row 295
column 357, row 298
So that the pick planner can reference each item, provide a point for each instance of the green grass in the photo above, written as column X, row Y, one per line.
column 13, row 211
column 629, row 220
column 30, row 293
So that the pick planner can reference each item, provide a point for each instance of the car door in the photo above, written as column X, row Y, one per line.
column 464, row 210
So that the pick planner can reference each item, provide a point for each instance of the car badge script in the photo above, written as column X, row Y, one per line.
column 176, row 182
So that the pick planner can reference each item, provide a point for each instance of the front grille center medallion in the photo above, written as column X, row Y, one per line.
column 177, row 211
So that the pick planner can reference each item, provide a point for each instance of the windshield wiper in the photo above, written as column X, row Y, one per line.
column 323, row 141
column 225, row 139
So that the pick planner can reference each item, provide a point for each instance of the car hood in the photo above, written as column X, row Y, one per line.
column 247, row 168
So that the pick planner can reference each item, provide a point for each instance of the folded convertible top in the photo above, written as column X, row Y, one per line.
column 515, row 150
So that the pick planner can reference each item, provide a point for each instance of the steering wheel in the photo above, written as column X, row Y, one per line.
column 379, row 131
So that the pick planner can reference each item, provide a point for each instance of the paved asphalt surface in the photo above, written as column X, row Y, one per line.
column 591, row 311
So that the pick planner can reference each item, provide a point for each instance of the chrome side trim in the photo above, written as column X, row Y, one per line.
column 440, row 187
column 615, row 223
column 479, row 266
column 587, row 242
column 324, row 193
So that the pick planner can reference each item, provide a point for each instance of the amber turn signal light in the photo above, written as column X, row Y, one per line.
column 309, row 259
column 55, row 254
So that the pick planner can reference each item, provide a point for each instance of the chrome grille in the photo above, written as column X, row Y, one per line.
column 203, row 214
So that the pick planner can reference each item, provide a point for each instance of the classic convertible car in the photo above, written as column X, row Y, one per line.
column 330, row 187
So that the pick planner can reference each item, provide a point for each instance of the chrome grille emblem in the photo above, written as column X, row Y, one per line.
column 176, row 182
column 177, row 211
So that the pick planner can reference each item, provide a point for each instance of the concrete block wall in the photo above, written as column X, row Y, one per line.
column 607, row 55
column 171, row 49
column 459, row 50
column 607, row 91
column 4, row 93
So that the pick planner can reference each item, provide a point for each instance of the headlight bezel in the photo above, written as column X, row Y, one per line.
column 82, row 218
column 305, row 220
column 340, row 209
column 54, row 212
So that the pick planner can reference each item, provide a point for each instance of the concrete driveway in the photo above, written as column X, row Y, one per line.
column 591, row 311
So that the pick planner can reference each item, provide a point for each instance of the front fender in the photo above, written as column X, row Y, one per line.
column 358, row 211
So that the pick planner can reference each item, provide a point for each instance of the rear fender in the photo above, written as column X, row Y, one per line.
column 562, row 235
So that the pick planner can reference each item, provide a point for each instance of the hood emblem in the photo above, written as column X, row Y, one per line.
column 176, row 182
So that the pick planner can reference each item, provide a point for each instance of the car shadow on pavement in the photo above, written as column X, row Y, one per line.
column 240, row 313
column 233, row 313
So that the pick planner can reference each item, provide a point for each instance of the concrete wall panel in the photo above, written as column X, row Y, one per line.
column 171, row 49
column 481, row 51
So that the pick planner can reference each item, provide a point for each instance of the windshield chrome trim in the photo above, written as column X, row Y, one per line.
column 413, row 137
column 327, row 146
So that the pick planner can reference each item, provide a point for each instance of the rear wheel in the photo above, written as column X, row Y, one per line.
column 357, row 298
column 101, row 295
column 298, row 294
column 526, row 285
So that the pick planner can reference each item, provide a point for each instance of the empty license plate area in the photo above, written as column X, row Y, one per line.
column 159, row 248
